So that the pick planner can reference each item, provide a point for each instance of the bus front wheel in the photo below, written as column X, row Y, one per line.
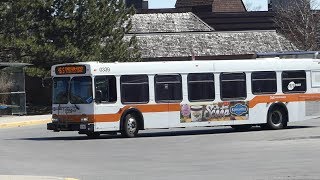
column 277, row 119
column 130, row 126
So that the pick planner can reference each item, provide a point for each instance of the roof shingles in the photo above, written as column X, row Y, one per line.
column 211, row 44
column 167, row 22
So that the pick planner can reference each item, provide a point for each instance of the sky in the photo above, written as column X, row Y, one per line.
column 256, row 4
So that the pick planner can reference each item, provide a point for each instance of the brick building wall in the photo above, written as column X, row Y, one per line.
column 214, row 5
column 228, row 6
column 189, row 3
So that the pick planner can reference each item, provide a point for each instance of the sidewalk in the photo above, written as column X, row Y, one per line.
column 18, row 121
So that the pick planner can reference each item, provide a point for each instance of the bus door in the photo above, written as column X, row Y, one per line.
column 105, row 95
column 168, row 91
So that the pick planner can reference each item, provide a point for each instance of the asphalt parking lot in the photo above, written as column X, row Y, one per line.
column 203, row 153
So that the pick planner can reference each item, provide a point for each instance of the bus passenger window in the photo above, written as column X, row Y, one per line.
column 134, row 89
column 294, row 82
column 201, row 87
column 168, row 88
column 264, row 82
column 108, row 88
column 233, row 86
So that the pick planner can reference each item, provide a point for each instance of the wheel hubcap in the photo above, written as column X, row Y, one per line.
column 276, row 118
column 132, row 125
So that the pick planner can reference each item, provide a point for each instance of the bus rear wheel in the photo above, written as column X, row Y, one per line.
column 130, row 126
column 277, row 119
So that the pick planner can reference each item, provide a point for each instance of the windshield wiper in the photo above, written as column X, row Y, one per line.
column 77, row 107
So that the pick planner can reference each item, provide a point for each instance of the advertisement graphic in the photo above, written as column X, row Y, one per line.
column 222, row 111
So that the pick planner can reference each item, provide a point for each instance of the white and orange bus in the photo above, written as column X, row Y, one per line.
column 99, row 98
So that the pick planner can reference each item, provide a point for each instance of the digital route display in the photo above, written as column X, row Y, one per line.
column 70, row 69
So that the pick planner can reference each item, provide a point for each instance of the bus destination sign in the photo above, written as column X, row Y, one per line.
column 70, row 69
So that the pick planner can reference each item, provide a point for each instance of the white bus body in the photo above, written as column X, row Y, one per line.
column 295, row 96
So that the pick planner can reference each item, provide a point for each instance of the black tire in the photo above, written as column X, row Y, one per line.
column 93, row 134
column 277, row 119
column 130, row 127
column 245, row 127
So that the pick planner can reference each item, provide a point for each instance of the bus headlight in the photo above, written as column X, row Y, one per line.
column 55, row 120
column 84, row 119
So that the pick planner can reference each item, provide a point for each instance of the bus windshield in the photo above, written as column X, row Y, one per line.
column 81, row 90
column 60, row 90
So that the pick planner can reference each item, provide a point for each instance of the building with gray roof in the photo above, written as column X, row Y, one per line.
column 168, row 22
column 183, row 36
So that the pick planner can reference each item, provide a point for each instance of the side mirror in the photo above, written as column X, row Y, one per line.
column 98, row 97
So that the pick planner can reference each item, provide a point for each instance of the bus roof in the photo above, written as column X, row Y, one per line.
column 260, row 64
column 291, row 55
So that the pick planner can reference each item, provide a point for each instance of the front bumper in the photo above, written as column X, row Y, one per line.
column 70, row 127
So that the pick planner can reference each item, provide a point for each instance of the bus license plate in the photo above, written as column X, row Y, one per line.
column 83, row 126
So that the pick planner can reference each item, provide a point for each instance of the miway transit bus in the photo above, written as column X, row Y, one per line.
column 101, row 98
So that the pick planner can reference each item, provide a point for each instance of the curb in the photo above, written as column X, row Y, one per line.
column 24, row 123
column 20, row 177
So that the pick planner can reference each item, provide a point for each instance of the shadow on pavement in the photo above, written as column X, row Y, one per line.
column 164, row 133
column 300, row 127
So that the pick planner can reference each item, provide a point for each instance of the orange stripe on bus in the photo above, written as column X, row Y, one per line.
column 73, row 118
column 116, row 117
column 149, row 108
column 283, row 98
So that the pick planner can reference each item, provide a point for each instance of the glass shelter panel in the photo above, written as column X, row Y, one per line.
column 12, row 90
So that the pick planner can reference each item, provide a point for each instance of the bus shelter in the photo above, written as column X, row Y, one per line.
column 12, row 89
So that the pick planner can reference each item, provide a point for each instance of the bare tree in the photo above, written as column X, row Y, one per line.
column 297, row 21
